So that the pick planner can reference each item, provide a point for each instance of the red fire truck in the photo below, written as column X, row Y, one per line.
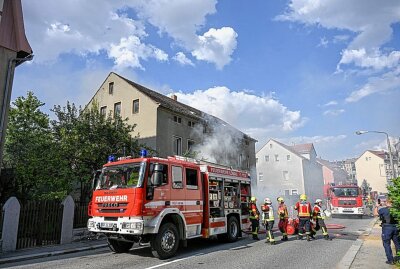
column 345, row 200
column 165, row 201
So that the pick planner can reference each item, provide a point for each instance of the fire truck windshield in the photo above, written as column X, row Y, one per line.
column 345, row 192
column 122, row 176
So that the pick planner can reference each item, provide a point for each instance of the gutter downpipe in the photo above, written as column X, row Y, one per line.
column 7, row 95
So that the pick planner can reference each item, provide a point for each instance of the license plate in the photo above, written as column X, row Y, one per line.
column 106, row 224
column 348, row 211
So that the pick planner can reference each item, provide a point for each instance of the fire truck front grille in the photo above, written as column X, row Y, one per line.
column 113, row 210
column 347, row 202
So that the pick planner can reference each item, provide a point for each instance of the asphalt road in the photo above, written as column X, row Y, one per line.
column 245, row 253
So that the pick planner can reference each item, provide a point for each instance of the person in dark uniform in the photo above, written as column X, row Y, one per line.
column 390, row 231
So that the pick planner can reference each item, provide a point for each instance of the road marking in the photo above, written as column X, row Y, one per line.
column 174, row 261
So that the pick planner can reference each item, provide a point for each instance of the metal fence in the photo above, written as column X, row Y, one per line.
column 40, row 223
column 81, row 214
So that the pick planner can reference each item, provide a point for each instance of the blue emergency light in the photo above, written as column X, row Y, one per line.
column 111, row 158
column 143, row 153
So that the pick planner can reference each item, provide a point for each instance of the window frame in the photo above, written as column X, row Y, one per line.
column 191, row 186
column 103, row 110
column 117, row 104
column 111, row 88
column 173, row 174
column 174, row 145
column 136, row 101
column 276, row 157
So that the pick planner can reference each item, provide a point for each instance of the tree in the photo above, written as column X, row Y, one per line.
column 31, row 152
column 86, row 138
column 394, row 195
column 365, row 188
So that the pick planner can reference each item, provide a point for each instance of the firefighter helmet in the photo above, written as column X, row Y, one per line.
column 303, row 197
column 267, row 201
column 253, row 199
column 318, row 201
column 280, row 200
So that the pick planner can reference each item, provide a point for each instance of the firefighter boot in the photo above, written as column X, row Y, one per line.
column 326, row 237
column 309, row 238
column 255, row 237
column 285, row 238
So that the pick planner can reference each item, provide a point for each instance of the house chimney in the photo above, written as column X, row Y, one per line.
column 173, row 96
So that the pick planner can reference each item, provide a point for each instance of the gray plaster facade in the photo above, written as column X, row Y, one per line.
column 173, row 128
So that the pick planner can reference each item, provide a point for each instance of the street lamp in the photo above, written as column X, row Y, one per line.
column 388, row 145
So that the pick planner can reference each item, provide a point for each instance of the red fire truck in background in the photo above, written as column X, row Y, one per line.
column 345, row 200
column 164, row 202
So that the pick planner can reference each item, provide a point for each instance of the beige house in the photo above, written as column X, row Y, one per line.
column 374, row 167
column 288, row 171
column 173, row 128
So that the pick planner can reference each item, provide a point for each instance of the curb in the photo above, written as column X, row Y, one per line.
column 348, row 258
column 49, row 254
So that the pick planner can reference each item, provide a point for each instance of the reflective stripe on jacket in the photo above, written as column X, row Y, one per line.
column 283, row 212
column 268, row 212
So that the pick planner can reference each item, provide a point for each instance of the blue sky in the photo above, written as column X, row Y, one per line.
column 297, row 71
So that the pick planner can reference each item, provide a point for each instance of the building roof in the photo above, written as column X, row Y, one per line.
column 183, row 109
column 12, row 31
column 380, row 153
column 303, row 148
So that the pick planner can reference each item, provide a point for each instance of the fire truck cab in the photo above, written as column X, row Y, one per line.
column 165, row 201
column 346, row 200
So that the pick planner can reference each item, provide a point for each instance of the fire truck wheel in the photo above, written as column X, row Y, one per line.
column 119, row 246
column 232, row 230
column 166, row 242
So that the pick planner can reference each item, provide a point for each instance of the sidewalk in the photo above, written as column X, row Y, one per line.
column 53, row 250
column 371, row 253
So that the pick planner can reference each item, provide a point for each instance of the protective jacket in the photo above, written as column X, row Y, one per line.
column 283, row 212
column 318, row 213
column 254, row 213
column 304, row 209
column 268, row 212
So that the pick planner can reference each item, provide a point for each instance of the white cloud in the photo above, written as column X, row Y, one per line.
column 370, row 22
column 333, row 112
column 181, row 58
column 130, row 50
column 387, row 82
column 340, row 38
column 216, row 46
column 323, row 42
column 241, row 108
column 70, row 27
column 331, row 103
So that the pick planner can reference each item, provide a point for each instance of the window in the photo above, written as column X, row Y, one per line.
column 191, row 123
column 287, row 192
column 103, row 110
column 177, row 145
column 135, row 106
column 248, row 162
column 177, row 119
column 240, row 160
column 160, row 169
column 177, row 177
column 266, row 157
column 260, row 177
column 117, row 109
column 256, row 160
column 288, row 157
column 190, row 145
column 285, row 175
column 295, row 192
column 276, row 157
column 111, row 88
column 270, row 146
column 191, row 179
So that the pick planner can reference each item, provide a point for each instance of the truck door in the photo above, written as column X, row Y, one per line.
column 194, row 201
column 177, row 188
column 158, row 188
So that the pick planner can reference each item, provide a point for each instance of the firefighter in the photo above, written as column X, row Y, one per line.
column 319, row 217
column 283, row 218
column 304, row 212
column 268, row 220
column 254, row 217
